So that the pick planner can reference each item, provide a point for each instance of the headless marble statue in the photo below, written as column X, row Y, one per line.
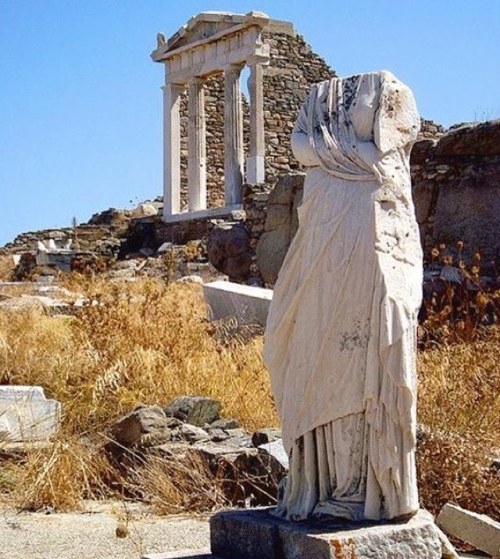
column 340, row 337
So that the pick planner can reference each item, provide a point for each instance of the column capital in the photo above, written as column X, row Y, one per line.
column 233, row 68
column 196, row 80
column 173, row 86
column 255, row 59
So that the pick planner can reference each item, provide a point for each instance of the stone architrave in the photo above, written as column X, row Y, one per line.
column 479, row 530
column 233, row 135
column 246, row 303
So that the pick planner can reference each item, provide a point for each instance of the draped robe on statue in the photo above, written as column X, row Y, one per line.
column 340, row 335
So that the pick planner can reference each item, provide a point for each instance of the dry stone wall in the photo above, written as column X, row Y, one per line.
column 293, row 68
column 455, row 186
column 214, row 114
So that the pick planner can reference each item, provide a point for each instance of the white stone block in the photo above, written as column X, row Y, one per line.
column 478, row 530
column 248, row 304
column 26, row 415
column 256, row 173
column 276, row 449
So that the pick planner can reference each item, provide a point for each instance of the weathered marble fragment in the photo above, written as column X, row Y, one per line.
column 26, row 415
column 248, row 304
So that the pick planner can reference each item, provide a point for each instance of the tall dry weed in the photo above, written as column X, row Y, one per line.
column 60, row 476
column 6, row 267
column 459, row 407
column 148, row 342
column 137, row 343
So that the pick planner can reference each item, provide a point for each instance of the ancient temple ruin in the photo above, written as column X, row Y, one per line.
column 215, row 140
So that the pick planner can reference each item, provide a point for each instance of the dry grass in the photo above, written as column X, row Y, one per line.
column 177, row 486
column 139, row 343
column 147, row 342
column 460, row 405
column 6, row 267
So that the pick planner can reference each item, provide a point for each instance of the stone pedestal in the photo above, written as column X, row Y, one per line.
column 255, row 534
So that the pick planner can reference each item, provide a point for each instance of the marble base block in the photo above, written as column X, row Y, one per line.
column 248, row 304
column 255, row 534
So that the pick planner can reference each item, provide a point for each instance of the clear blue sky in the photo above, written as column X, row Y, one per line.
column 80, row 99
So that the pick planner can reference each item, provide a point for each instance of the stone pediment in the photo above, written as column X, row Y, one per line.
column 202, row 27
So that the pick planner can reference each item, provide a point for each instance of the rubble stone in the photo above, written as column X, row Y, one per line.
column 144, row 420
column 195, row 410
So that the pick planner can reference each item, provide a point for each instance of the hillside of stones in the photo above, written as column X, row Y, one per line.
column 456, row 187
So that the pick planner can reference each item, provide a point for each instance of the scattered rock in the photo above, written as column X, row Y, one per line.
column 26, row 415
column 277, row 451
column 196, row 410
column 190, row 433
column 146, row 251
column 40, row 302
column 224, row 424
column 495, row 465
column 190, row 279
column 218, row 435
column 165, row 247
column 229, row 250
column 263, row 436
column 144, row 210
column 131, row 430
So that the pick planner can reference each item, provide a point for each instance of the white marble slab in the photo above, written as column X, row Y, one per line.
column 248, row 304
column 26, row 415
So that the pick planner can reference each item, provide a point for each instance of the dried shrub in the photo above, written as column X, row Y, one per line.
column 147, row 342
column 459, row 407
column 7, row 267
column 173, row 486
column 455, row 468
column 463, row 299
column 60, row 476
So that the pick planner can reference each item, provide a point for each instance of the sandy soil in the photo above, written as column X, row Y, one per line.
column 93, row 533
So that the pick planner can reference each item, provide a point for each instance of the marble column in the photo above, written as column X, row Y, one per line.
column 255, row 161
column 171, row 148
column 233, row 135
column 197, row 165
